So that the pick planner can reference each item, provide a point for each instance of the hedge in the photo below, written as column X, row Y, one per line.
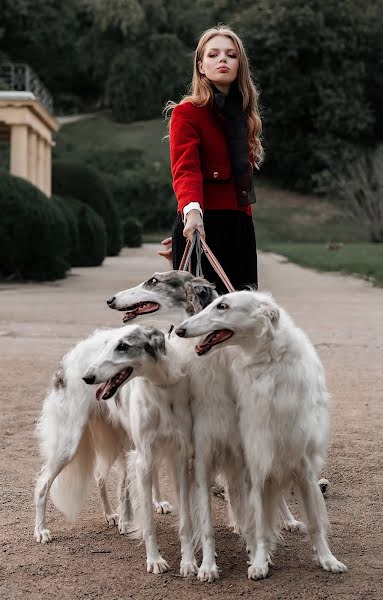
column 132, row 233
column 88, row 237
column 74, row 180
column 34, row 234
column 146, row 195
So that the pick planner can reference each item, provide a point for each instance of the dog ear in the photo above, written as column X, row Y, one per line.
column 156, row 342
column 272, row 313
column 268, row 317
column 199, row 294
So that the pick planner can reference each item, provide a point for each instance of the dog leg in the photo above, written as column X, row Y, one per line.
column 48, row 474
column 154, row 561
column 188, row 564
column 110, row 517
column 124, row 505
column 238, row 495
column 316, row 512
column 265, row 504
column 161, row 506
column 289, row 522
column 208, row 570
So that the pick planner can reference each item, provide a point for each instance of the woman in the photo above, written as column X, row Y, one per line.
column 214, row 145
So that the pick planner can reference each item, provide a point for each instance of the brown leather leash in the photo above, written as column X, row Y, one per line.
column 200, row 244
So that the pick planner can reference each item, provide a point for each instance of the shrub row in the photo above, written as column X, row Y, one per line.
column 40, row 237
column 147, row 195
column 71, row 180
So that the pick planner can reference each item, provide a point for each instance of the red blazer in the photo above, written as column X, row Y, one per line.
column 200, row 161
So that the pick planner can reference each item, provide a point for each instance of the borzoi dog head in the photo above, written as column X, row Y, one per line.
column 132, row 351
column 174, row 294
column 232, row 317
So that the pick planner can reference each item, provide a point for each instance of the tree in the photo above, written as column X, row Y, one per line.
column 310, row 60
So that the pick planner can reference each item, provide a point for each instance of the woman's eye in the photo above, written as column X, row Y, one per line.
column 222, row 306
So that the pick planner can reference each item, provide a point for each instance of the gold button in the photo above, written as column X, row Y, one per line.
column 215, row 174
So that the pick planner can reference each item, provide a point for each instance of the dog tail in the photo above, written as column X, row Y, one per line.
column 70, row 488
column 100, row 444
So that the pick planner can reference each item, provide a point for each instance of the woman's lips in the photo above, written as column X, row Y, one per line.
column 223, row 69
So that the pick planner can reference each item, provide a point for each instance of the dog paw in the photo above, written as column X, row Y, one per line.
column 258, row 571
column 324, row 486
column 157, row 566
column 332, row 564
column 163, row 507
column 111, row 519
column 295, row 526
column 43, row 536
column 208, row 574
column 123, row 527
column 188, row 568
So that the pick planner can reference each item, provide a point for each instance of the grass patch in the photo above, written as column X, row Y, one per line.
column 103, row 133
column 362, row 259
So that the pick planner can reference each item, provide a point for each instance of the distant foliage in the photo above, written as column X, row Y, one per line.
column 85, row 183
column 144, row 77
column 132, row 233
column 88, row 238
column 147, row 195
column 314, row 63
column 34, row 236
column 318, row 64
column 359, row 190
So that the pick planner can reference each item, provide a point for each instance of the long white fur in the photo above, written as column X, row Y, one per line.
column 81, row 437
column 157, row 406
column 216, row 436
column 283, row 414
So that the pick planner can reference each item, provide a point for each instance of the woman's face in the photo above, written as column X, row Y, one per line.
column 220, row 62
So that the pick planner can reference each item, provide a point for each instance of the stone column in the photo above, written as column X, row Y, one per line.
column 32, row 157
column 48, row 169
column 40, row 163
column 19, row 151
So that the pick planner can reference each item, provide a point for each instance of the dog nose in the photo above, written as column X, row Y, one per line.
column 110, row 302
column 181, row 332
column 90, row 379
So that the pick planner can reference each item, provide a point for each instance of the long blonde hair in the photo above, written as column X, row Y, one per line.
column 201, row 93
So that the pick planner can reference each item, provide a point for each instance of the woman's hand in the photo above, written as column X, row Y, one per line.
column 194, row 222
column 167, row 253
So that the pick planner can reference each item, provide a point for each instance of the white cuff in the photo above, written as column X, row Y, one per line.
column 192, row 206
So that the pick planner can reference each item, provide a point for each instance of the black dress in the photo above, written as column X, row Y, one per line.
column 230, row 235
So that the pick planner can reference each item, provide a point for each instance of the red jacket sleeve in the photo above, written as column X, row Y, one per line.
column 185, row 158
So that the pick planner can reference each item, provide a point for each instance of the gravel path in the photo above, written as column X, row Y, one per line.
column 87, row 560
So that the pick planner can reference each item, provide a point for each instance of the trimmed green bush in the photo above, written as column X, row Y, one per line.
column 90, row 237
column 70, row 217
column 147, row 195
column 34, row 235
column 132, row 233
column 72, row 180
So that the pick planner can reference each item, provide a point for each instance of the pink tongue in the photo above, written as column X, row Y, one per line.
column 101, row 389
column 148, row 308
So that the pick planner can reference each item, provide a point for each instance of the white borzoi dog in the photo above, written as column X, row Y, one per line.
column 79, row 437
column 283, row 416
column 216, row 436
column 156, row 406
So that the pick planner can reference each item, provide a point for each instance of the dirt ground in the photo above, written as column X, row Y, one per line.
column 87, row 559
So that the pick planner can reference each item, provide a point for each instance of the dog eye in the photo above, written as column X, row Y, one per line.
column 123, row 347
column 152, row 281
column 222, row 306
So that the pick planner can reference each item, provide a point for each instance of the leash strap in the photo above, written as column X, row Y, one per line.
column 200, row 246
